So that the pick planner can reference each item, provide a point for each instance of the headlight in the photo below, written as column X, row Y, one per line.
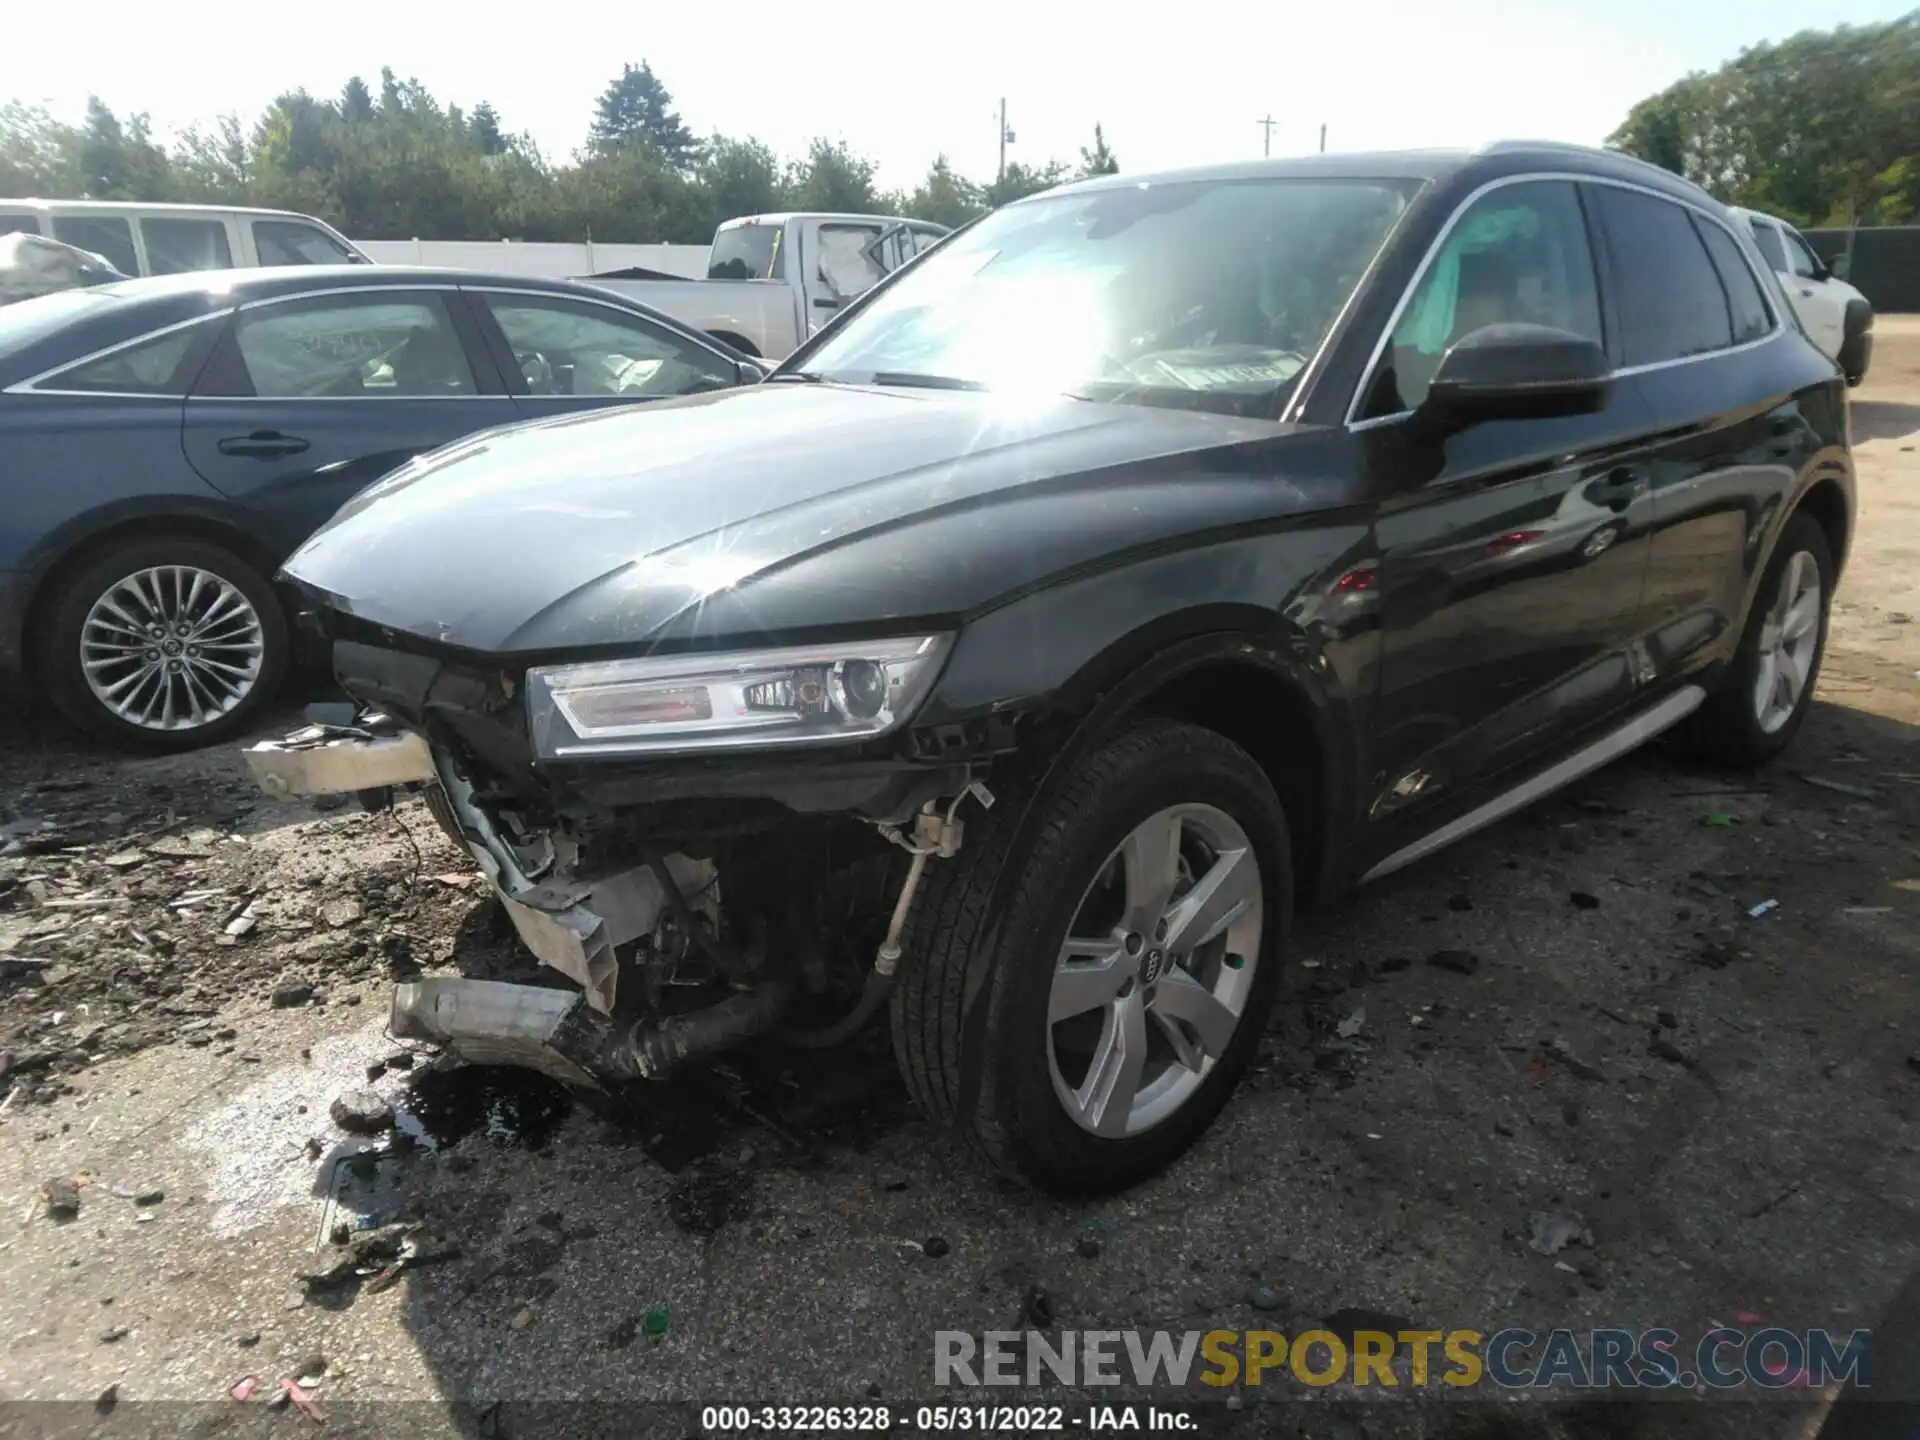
column 806, row 694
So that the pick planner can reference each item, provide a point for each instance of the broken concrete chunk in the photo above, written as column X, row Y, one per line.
column 286, row 997
column 340, row 913
column 361, row 1112
column 1555, row 1230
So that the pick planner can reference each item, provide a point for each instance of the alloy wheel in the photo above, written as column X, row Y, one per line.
column 1152, row 981
column 1789, row 642
column 172, row 647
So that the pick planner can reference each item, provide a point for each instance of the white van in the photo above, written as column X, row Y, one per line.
column 141, row 239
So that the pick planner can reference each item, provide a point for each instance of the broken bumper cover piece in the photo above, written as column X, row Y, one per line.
column 323, row 761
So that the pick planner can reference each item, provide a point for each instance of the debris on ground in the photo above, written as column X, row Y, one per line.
column 1352, row 1024
column 62, row 1196
column 1554, row 1230
column 523, row 1319
column 1582, row 900
column 361, row 1112
column 1087, row 1247
column 244, row 1388
column 935, row 1247
column 1352, row 1320
column 1661, row 1048
column 288, row 997
column 1560, row 1050
column 655, row 1323
column 1456, row 962
column 1840, row 787
column 1719, row 819
column 113, row 1333
column 1264, row 1297
column 1764, row 907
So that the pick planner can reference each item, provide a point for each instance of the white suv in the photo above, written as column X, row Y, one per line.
column 1836, row 317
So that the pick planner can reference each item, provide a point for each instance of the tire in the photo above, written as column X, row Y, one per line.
column 234, row 679
column 971, row 1010
column 1730, row 730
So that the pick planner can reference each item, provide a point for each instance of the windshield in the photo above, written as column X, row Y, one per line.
column 745, row 252
column 1203, row 294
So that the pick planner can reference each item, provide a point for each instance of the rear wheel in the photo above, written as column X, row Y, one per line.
column 164, row 645
column 1768, row 689
column 1124, row 948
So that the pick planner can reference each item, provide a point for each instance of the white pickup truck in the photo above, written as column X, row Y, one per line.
column 772, row 280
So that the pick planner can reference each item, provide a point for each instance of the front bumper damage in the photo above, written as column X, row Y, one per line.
column 575, row 924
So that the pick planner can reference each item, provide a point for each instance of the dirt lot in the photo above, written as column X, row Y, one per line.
column 189, row 975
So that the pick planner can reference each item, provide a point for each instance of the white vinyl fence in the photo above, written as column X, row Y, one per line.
column 546, row 260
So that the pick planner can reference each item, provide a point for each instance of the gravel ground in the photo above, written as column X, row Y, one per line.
column 190, row 976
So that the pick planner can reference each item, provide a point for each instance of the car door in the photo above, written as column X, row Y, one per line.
column 1730, row 434
column 310, row 398
column 1819, row 299
column 1821, row 313
column 1511, row 555
column 562, row 352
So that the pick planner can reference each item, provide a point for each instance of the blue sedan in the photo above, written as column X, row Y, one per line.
column 165, row 443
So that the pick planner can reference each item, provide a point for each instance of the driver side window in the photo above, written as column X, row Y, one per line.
column 1518, row 255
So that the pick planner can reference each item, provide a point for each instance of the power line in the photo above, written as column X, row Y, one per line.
column 1266, row 126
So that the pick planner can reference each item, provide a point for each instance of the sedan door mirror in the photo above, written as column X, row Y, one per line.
column 752, row 372
column 1516, row 372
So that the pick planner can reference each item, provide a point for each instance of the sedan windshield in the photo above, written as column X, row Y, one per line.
column 1209, row 294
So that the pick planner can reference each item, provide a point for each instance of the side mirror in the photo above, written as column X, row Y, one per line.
column 1516, row 372
column 751, row 372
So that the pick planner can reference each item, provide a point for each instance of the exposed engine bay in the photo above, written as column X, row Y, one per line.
column 672, row 932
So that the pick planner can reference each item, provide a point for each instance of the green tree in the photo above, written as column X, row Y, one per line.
column 356, row 101
column 637, row 109
column 1812, row 128
column 484, row 126
column 832, row 178
column 1098, row 160
column 740, row 177
column 944, row 197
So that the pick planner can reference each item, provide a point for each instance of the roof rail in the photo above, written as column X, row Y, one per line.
column 1618, row 157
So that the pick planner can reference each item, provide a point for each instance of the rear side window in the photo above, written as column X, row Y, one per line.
column 1800, row 257
column 1768, row 239
column 287, row 242
column 175, row 246
column 148, row 367
column 1672, row 305
column 108, row 236
column 13, row 222
column 746, row 252
column 386, row 344
column 1751, row 316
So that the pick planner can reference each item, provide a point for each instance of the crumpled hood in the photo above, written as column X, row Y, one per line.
column 600, row 528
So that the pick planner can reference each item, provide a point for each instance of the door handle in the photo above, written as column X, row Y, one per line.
column 262, row 445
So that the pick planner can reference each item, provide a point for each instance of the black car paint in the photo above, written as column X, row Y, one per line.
column 1365, row 569
column 133, row 464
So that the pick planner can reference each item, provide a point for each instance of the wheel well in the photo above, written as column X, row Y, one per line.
column 170, row 527
column 1826, row 503
column 1273, row 722
column 738, row 342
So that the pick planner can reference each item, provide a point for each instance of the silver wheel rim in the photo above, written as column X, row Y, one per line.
column 1789, row 643
column 1152, row 981
column 173, row 647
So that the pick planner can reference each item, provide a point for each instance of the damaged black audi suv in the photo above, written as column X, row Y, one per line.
column 1144, row 559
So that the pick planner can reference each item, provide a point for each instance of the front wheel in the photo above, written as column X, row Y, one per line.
column 1126, row 943
column 164, row 645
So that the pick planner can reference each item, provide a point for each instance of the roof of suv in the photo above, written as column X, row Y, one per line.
column 1503, row 157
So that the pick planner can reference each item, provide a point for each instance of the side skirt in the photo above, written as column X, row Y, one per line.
column 1630, row 736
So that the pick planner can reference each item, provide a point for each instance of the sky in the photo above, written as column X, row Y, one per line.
column 1172, row 84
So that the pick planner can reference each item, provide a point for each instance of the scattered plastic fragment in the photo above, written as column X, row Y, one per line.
column 656, row 1322
column 1719, row 819
column 244, row 1389
column 1840, row 787
column 1352, row 1025
column 1763, row 907
column 1553, row 1232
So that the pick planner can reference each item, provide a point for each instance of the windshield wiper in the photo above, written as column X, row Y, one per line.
column 924, row 382
column 800, row 377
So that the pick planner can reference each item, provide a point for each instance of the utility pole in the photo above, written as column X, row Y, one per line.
column 1266, row 126
column 1006, row 138
column 1323, row 137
